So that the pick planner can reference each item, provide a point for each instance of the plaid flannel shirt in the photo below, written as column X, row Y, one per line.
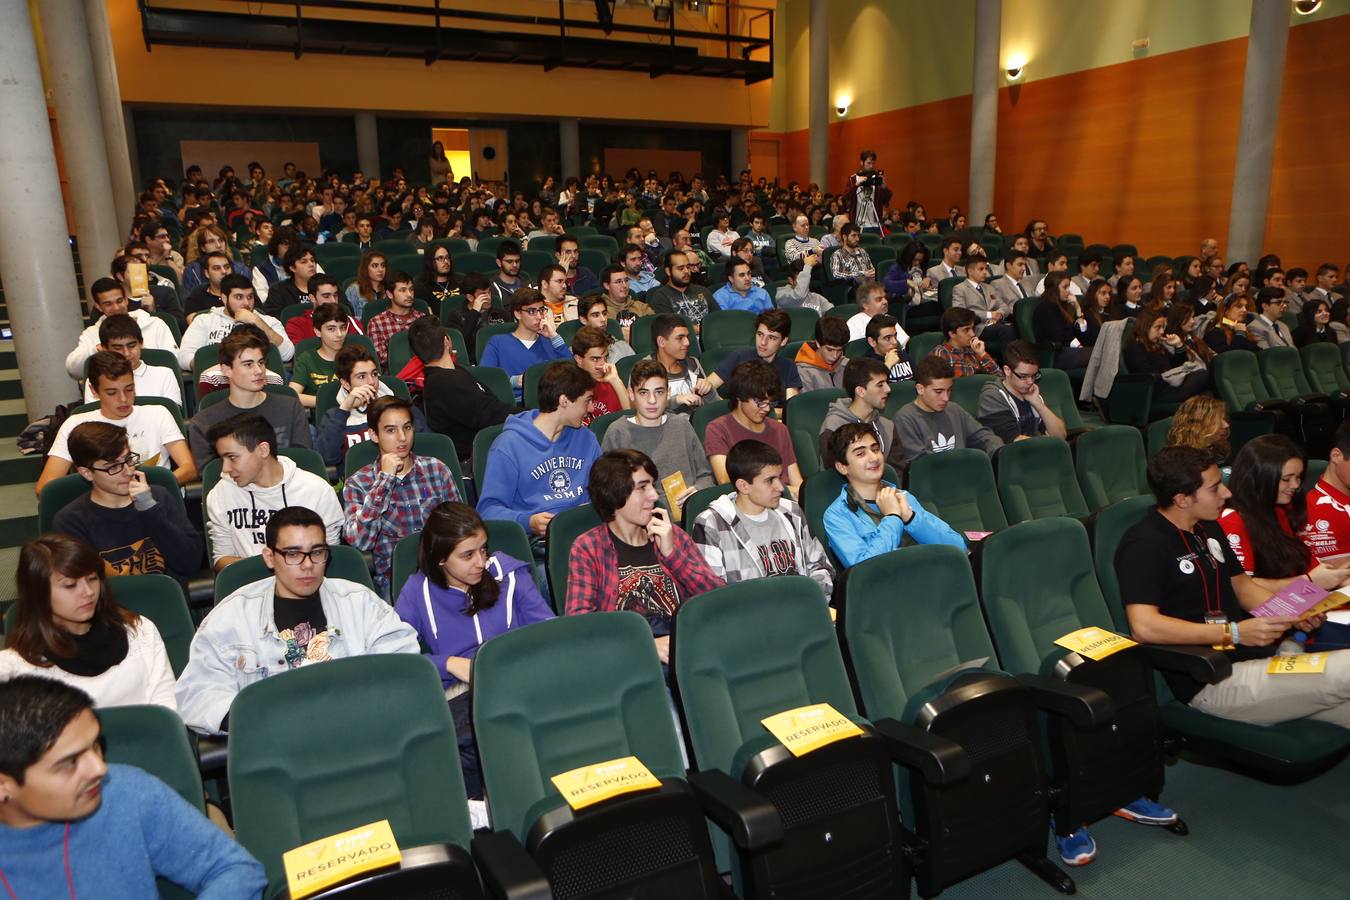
column 383, row 327
column 726, row 544
column 593, row 576
column 966, row 361
column 850, row 265
column 382, row 509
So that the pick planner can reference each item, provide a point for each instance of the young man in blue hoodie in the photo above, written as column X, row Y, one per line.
column 71, row 825
column 540, row 463
column 871, row 516
column 533, row 341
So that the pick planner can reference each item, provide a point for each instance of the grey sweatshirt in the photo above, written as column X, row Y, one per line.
column 921, row 432
column 674, row 447
column 839, row 414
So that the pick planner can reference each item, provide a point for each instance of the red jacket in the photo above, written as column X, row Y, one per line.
column 593, row 579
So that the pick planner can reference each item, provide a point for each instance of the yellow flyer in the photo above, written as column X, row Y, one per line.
column 591, row 784
column 1298, row 664
column 333, row 860
column 674, row 486
column 1094, row 643
column 138, row 279
column 808, row 728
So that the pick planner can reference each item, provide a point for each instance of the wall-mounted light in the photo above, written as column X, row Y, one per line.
column 841, row 105
column 1307, row 7
column 1017, row 66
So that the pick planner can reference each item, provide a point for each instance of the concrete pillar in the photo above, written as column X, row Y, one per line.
column 368, row 145
column 115, row 138
column 80, row 123
column 740, row 153
column 984, row 110
column 40, row 288
column 818, row 118
column 569, row 144
column 1266, row 44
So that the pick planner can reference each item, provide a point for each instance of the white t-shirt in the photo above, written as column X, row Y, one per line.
column 144, row 677
column 151, row 381
column 150, row 431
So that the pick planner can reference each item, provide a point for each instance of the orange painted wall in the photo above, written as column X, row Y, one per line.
column 1141, row 152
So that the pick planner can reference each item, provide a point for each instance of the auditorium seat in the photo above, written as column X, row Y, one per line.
column 1036, row 480
column 958, row 487
column 1111, row 465
column 343, row 562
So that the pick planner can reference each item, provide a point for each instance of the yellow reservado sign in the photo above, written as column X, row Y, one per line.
column 808, row 728
column 1094, row 643
column 333, row 860
column 591, row 784
column 1297, row 664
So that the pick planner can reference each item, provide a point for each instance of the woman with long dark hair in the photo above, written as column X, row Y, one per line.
column 1152, row 350
column 1129, row 293
column 1314, row 324
column 1181, row 322
column 1096, row 304
column 1266, row 513
column 369, row 284
column 1058, row 319
column 461, row 596
column 67, row 626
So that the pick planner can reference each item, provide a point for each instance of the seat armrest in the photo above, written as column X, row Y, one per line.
column 939, row 760
column 212, row 752
column 1205, row 664
column 507, row 870
column 1085, row 707
column 751, row 820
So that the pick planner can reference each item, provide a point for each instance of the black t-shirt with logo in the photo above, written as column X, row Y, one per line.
column 645, row 585
column 1187, row 575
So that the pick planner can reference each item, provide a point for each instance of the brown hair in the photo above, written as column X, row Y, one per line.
column 35, row 636
column 1199, row 423
column 91, row 442
column 363, row 282
column 588, row 338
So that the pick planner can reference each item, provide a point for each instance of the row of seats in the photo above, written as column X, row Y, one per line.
column 950, row 743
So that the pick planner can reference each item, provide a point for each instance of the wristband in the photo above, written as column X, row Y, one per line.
column 1233, row 627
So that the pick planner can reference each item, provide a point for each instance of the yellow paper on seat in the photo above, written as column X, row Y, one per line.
column 591, row 784
column 1094, row 643
column 332, row 860
column 808, row 728
column 1297, row 664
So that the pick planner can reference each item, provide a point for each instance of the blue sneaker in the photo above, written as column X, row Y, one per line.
column 1147, row 812
column 1078, row 849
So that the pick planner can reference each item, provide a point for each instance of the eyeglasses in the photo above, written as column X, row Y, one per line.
column 763, row 404
column 1028, row 376
column 294, row 556
column 534, row 310
column 131, row 460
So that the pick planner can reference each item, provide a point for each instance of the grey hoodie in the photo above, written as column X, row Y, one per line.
column 840, row 414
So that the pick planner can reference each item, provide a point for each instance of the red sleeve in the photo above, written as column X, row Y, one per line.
column 1238, row 542
column 716, row 439
column 782, row 442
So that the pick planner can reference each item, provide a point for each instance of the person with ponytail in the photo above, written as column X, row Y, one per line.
column 461, row 596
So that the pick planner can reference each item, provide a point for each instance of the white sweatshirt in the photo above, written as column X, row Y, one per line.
column 236, row 517
column 212, row 326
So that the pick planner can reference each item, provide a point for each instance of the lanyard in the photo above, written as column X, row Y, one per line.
column 1214, row 608
column 65, row 854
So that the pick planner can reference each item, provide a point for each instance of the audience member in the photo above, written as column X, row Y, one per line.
column 1058, row 319
column 739, row 292
column 773, row 327
column 590, row 351
column 961, row 349
column 400, row 315
column 68, row 626
column 1013, row 407
column 294, row 618
column 820, row 363
column 872, row 516
column 619, row 304
column 108, row 300
column 539, row 464
column 507, row 280
column 371, row 283
column 679, row 295
column 688, row 384
column 208, row 293
column 950, row 264
column 850, row 263
column 137, row 528
column 754, row 388
column 456, row 403
column 534, row 339
column 120, row 334
column 993, row 316
column 635, row 559
column 883, row 345
column 871, row 302
column 1152, row 351
column 462, row 595
column 931, row 424
column 213, row 325
column 297, row 288
column 801, row 244
column 387, row 500
column 153, row 433
column 116, row 828
column 868, row 387
column 315, row 368
column 797, row 291
column 756, row 532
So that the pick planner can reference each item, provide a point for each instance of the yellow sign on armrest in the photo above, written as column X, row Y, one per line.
column 591, row 784
column 808, row 728
column 1094, row 643
column 1297, row 664
column 333, row 860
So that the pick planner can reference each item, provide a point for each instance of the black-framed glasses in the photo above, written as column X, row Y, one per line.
column 1028, row 376
column 294, row 556
column 130, row 461
column 534, row 310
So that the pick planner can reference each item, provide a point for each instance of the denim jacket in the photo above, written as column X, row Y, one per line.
column 238, row 645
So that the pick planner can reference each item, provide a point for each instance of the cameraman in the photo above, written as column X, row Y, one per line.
column 866, row 194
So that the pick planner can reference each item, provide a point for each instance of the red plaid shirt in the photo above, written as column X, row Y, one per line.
column 593, row 579
column 385, row 326
column 963, row 362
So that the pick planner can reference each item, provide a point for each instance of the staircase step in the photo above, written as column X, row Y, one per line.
column 11, row 390
column 23, row 470
column 14, row 532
